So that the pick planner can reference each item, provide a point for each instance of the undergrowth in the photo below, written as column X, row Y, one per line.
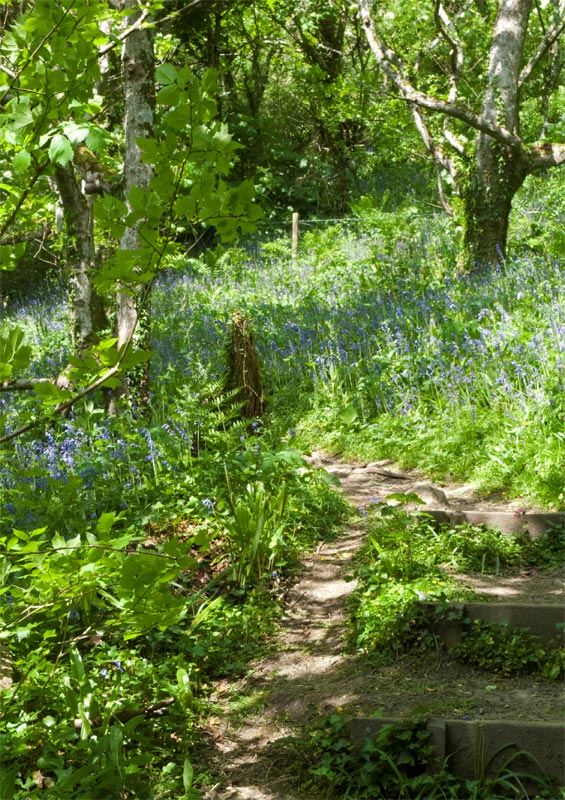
column 398, row 760
column 407, row 558
column 145, row 558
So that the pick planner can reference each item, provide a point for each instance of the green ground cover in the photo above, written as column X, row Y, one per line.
column 143, row 559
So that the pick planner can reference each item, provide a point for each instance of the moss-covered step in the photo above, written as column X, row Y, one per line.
column 542, row 620
column 535, row 523
column 479, row 748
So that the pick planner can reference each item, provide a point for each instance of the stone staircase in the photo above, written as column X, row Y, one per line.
column 472, row 745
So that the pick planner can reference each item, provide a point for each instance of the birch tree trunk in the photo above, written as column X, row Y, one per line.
column 133, row 322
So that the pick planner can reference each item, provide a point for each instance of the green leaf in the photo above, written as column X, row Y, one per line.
column 21, row 161
column 50, row 394
column 349, row 415
column 109, row 212
column 150, row 151
column 166, row 74
column 185, row 695
column 22, row 116
column 135, row 357
column 105, row 522
column 404, row 499
column 184, row 76
column 187, row 775
column 8, row 782
column 76, row 133
column 168, row 96
column 60, row 150
column 14, row 354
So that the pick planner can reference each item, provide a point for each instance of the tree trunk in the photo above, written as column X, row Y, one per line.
column 138, row 66
column 86, row 306
column 487, row 193
column 496, row 163
column 243, row 374
column 499, row 169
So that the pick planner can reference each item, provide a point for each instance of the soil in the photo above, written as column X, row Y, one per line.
column 249, row 746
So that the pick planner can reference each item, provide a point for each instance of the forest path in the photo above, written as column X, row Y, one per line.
column 307, row 677
column 310, row 675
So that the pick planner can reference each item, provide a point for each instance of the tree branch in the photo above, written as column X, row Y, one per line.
column 137, row 25
column 439, row 158
column 544, row 155
column 66, row 405
column 23, row 384
column 39, row 170
column 447, row 30
column 33, row 236
column 551, row 36
column 387, row 59
column 30, row 58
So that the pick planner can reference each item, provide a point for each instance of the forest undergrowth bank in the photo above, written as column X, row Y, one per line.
column 146, row 560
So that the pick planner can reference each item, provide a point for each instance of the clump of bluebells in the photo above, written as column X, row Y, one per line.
column 458, row 374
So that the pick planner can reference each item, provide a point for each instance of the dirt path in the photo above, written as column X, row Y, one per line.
column 310, row 675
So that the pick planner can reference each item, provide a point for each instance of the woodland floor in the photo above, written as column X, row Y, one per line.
column 249, row 746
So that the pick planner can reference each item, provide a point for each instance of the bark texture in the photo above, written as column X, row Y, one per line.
column 244, row 375
column 86, row 306
column 138, row 67
column 499, row 169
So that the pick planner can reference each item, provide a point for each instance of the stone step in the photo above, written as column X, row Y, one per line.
column 547, row 621
column 534, row 523
column 475, row 748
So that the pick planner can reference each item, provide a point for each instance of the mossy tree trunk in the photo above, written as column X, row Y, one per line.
column 86, row 305
column 487, row 194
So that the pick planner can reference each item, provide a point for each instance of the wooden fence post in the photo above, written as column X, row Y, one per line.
column 294, row 235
